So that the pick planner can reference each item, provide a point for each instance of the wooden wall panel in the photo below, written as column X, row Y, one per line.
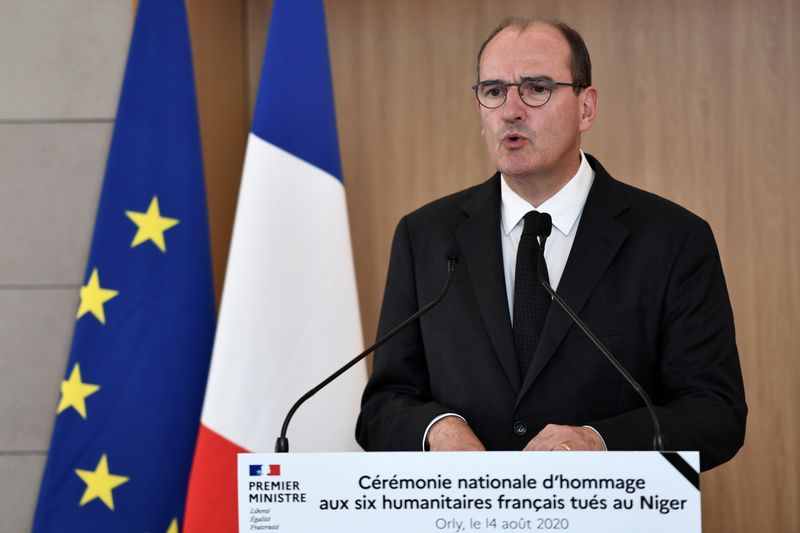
column 219, row 47
column 697, row 103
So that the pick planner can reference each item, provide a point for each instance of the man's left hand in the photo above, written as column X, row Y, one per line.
column 564, row 439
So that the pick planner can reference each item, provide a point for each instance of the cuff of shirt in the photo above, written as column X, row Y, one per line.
column 605, row 448
column 425, row 446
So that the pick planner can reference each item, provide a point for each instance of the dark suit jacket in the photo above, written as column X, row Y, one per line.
column 644, row 274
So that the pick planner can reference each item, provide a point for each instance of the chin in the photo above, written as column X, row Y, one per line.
column 518, row 164
column 517, row 170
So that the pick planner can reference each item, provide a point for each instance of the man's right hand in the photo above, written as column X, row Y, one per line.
column 452, row 434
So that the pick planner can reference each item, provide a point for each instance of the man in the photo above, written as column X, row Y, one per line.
column 496, row 366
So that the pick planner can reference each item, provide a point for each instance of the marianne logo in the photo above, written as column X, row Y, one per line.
column 258, row 470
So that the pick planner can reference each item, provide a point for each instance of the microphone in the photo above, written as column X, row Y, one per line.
column 282, row 443
column 543, row 229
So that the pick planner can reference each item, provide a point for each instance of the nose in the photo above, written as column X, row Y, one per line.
column 514, row 108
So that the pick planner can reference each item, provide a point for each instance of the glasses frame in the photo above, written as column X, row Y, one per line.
column 554, row 84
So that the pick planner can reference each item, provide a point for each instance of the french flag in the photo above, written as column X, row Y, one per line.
column 289, row 315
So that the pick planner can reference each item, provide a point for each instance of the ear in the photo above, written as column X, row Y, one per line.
column 588, row 103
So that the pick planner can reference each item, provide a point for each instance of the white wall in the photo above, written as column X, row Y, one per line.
column 61, row 67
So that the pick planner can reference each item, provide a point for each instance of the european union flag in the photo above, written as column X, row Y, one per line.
column 131, row 397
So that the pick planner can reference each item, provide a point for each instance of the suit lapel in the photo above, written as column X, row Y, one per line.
column 596, row 244
column 479, row 240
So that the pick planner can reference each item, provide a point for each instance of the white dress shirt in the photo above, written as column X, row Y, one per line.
column 565, row 208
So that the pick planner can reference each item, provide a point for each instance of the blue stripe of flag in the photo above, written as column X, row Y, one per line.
column 295, row 107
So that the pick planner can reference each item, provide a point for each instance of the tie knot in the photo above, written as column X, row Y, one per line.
column 537, row 224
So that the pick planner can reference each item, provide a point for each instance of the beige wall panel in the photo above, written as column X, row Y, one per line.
column 258, row 14
column 35, row 336
column 50, row 178
column 220, row 59
column 62, row 59
column 62, row 65
column 408, row 130
column 697, row 104
column 19, row 488
column 760, row 186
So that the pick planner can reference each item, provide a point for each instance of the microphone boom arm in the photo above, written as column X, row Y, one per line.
column 282, row 443
column 658, row 440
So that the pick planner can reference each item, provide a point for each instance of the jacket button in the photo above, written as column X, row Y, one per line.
column 520, row 428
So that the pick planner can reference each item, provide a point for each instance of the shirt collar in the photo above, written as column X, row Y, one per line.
column 564, row 207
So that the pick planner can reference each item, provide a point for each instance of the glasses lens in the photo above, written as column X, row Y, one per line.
column 535, row 92
column 492, row 94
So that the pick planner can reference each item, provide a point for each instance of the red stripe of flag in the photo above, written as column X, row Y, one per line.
column 211, row 500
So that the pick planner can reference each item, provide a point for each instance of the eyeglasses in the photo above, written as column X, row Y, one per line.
column 534, row 92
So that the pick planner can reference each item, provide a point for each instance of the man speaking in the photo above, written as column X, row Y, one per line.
column 497, row 365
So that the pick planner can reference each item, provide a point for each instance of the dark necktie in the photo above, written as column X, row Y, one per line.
column 531, row 300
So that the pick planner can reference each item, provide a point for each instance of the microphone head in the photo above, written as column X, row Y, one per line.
column 451, row 262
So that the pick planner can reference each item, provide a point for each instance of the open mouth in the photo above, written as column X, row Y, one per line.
column 513, row 140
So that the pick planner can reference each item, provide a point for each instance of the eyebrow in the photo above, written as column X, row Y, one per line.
column 524, row 78
column 536, row 78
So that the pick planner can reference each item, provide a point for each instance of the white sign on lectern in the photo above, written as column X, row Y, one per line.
column 463, row 492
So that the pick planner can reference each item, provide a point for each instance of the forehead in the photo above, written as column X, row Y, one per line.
column 538, row 50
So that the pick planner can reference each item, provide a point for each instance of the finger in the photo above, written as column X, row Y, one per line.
column 570, row 438
column 548, row 438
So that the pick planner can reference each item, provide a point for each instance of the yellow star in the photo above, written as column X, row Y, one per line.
column 151, row 225
column 100, row 483
column 93, row 297
column 74, row 392
column 173, row 526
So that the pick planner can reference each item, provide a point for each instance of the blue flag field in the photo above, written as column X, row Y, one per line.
column 127, row 419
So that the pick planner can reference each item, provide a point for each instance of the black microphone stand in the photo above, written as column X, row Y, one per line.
column 658, row 440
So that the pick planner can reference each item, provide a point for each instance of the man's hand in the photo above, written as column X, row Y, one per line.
column 564, row 439
column 451, row 434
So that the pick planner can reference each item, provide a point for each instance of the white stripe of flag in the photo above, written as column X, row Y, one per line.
column 289, row 314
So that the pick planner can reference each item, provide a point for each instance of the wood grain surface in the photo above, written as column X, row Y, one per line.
column 698, row 103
